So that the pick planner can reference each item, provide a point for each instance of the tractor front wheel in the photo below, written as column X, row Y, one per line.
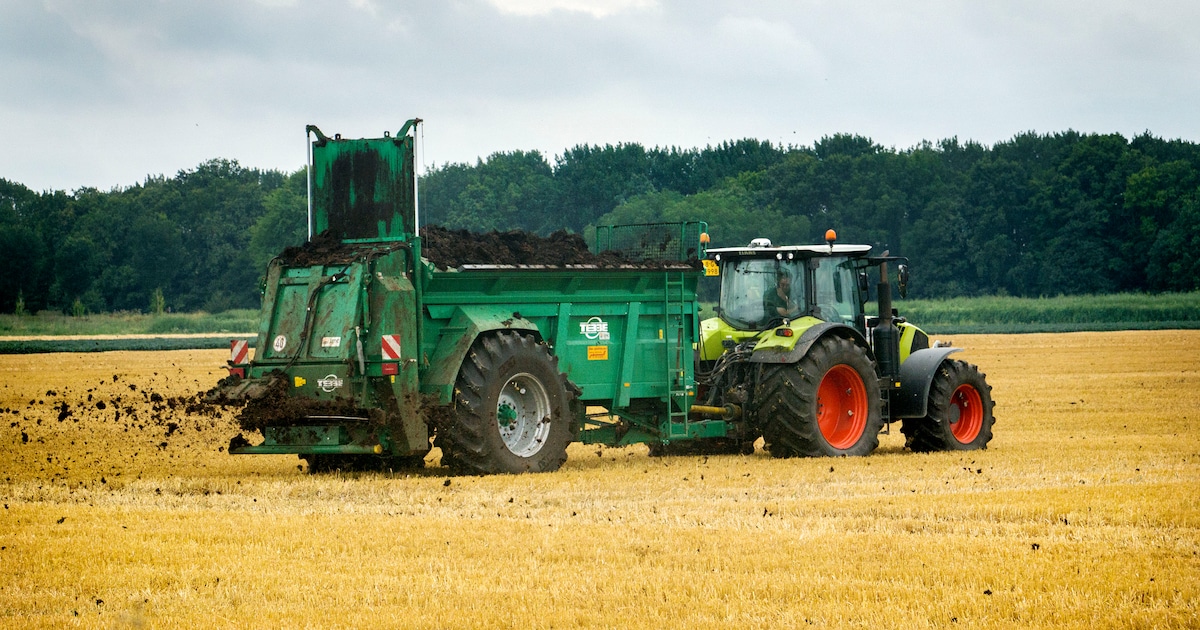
column 512, row 409
column 959, row 413
column 827, row 404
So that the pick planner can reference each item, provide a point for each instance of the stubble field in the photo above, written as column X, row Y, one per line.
column 121, row 509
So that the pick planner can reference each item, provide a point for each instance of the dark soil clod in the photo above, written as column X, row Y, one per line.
column 449, row 249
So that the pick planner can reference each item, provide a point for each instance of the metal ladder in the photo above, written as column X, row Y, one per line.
column 676, row 354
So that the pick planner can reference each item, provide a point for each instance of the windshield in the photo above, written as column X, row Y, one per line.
column 756, row 291
column 836, row 290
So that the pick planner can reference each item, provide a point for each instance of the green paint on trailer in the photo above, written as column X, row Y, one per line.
column 622, row 335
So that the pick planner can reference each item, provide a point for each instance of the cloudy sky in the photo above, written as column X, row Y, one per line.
column 102, row 93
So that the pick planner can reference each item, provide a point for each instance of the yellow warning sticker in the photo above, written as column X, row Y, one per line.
column 711, row 268
column 597, row 353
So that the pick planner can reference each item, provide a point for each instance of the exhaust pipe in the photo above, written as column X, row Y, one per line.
column 886, row 337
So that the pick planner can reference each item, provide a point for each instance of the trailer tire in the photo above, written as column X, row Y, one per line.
column 825, row 405
column 512, row 409
column 960, row 413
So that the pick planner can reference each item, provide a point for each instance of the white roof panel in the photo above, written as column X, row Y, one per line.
column 810, row 250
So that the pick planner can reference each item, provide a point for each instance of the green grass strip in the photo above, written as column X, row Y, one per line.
column 41, row 346
column 242, row 321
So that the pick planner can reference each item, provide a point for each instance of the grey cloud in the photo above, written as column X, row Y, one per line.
column 188, row 81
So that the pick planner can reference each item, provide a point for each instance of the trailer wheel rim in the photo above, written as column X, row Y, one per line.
column 523, row 415
column 966, row 413
column 842, row 406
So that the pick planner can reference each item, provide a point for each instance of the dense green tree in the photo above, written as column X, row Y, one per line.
column 21, row 265
column 692, row 171
column 1075, row 211
column 78, row 261
column 1039, row 214
column 940, row 242
column 220, row 203
column 1156, row 202
column 1174, row 260
column 284, row 221
column 846, row 145
column 153, row 251
column 594, row 180
column 729, row 210
column 508, row 191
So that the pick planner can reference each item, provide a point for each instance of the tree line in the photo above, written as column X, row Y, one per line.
column 1054, row 214
column 197, row 241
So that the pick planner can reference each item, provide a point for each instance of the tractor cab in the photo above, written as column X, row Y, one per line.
column 763, row 286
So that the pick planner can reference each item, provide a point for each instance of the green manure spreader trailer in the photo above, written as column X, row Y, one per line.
column 371, row 351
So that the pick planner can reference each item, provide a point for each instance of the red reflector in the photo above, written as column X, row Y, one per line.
column 390, row 369
column 238, row 372
column 784, row 332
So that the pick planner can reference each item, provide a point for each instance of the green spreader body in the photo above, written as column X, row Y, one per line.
column 361, row 341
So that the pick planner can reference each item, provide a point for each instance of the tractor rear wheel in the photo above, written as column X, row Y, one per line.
column 512, row 409
column 827, row 404
column 959, row 413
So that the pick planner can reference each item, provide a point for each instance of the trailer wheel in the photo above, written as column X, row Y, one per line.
column 827, row 404
column 512, row 409
column 959, row 415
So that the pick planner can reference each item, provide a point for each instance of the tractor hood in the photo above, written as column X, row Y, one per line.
column 716, row 334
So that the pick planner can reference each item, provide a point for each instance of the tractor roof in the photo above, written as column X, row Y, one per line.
column 797, row 251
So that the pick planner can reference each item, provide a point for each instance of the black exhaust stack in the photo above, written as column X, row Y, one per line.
column 886, row 337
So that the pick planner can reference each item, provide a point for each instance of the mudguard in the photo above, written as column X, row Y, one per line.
column 467, row 323
column 916, row 375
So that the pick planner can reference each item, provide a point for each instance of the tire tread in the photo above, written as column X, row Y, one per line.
column 932, row 432
column 788, row 415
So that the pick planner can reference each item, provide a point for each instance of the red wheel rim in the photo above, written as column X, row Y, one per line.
column 842, row 407
column 966, row 404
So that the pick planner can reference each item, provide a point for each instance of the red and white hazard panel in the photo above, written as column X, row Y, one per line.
column 239, row 354
column 239, row 351
column 391, row 347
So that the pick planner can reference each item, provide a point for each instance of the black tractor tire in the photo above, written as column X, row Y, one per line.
column 512, row 409
column 960, row 413
column 825, row 405
column 361, row 463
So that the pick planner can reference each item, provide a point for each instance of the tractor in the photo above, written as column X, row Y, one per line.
column 793, row 356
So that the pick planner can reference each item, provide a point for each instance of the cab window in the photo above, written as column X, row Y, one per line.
column 836, row 292
column 755, row 292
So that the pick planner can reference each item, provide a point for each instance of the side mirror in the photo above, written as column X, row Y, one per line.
column 864, row 283
column 903, row 280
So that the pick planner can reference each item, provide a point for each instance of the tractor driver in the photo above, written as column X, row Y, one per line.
column 778, row 302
